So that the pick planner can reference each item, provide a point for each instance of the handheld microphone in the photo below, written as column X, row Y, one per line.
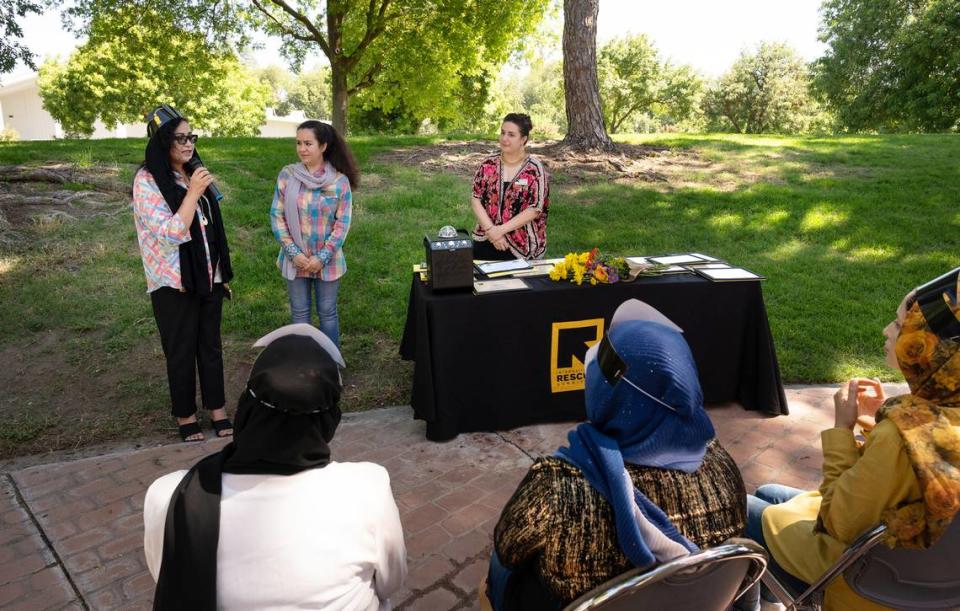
column 194, row 164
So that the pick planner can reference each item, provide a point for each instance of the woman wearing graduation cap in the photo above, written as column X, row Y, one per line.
column 906, row 474
column 271, row 522
column 643, row 481
column 186, row 261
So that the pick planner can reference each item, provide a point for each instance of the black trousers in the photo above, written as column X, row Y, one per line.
column 189, row 327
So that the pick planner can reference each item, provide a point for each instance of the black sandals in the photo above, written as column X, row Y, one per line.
column 222, row 425
column 189, row 429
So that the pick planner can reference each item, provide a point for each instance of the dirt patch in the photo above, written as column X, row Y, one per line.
column 54, row 193
column 63, row 395
column 660, row 168
column 636, row 162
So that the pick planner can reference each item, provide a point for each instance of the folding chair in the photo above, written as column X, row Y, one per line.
column 710, row 579
column 900, row 578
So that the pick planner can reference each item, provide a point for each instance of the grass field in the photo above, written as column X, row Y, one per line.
column 841, row 226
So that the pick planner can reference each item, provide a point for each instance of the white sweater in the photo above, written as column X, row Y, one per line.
column 325, row 538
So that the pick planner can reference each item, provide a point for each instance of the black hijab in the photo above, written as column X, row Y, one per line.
column 193, row 257
column 284, row 421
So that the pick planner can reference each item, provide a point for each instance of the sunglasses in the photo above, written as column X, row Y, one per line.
column 182, row 139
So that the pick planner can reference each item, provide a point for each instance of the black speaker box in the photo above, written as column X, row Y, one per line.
column 449, row 262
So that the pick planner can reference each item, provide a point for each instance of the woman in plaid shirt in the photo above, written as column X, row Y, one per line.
column 310, row 217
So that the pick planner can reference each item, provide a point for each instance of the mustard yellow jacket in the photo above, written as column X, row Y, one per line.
column 859, row 483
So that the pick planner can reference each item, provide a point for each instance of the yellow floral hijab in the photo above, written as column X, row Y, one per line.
column 931, row 434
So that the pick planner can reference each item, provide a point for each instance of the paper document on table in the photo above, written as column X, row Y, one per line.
column 494, row 267
column 704, row 257
column 495, row 286
column 728, row 274
column 676, row 259
column 711, row 266
column 539, row 269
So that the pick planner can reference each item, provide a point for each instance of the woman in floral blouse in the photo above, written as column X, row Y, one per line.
column 511, row 195
column 310, row 217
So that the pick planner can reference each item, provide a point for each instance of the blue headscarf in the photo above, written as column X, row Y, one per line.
column 625, row 425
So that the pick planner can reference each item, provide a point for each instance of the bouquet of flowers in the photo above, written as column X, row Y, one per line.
column 593, row 267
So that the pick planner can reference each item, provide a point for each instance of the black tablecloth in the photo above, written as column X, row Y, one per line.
column 484, row 362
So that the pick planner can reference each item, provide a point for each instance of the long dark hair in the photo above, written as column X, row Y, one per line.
column 157, row 161
column 337, row 151
column 193, row 256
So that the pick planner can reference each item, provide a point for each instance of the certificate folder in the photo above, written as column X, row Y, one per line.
column 490, row 268
column 481, row 287
column 727, row 274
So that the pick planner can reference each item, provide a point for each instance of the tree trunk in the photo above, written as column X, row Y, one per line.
column 338, row 76
column 585, row 129
column 338, row 66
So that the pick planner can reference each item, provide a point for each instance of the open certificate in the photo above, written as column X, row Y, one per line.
column 496, row 286
column 494, row 267
column 680, row 259
column 728, row 274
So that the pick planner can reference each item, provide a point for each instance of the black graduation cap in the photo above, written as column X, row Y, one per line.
column 158, row 116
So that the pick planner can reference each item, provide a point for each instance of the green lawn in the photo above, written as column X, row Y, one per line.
column 841, row 226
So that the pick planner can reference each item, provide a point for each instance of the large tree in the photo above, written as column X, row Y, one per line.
column 634, row 80
column 891, row 64
column 110, row 77
column 764, row 91
column 585, row 128
column 415, row 53
column 11, row 49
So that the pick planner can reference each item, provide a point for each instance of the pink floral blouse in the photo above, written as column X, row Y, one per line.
column 530, row 188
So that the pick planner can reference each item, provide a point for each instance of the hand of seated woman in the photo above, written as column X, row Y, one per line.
column 495, row 234
column 858, row 397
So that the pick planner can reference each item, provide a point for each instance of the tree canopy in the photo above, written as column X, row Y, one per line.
column 11, row 49
column 423, row 57
column 135, row 59
column 891, row 64
column 634, row 80
column 764, row 91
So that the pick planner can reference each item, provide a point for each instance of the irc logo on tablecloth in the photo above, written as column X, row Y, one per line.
column 569, row 343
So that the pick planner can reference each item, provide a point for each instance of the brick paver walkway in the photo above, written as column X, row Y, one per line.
column 72, row 532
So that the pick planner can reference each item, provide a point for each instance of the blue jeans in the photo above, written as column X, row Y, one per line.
column 303, row 291
column 767, row 495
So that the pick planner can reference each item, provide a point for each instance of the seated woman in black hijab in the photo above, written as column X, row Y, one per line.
column 270, row 521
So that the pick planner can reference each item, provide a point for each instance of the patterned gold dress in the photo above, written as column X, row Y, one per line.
column 557, row 533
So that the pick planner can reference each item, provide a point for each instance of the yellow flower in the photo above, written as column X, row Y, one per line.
column 593, row 281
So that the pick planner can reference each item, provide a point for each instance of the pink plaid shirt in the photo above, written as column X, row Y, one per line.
column 160, row 233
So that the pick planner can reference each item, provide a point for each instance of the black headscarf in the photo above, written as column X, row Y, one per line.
column 285, row 419
column 193, row 257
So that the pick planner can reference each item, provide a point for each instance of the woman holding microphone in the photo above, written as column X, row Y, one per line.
column 186, row 261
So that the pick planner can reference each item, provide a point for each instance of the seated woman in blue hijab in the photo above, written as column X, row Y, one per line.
column 641, row 483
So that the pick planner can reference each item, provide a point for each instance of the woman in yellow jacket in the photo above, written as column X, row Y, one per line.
column 906, row 474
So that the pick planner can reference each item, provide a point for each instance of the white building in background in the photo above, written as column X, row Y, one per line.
column 21, row 109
